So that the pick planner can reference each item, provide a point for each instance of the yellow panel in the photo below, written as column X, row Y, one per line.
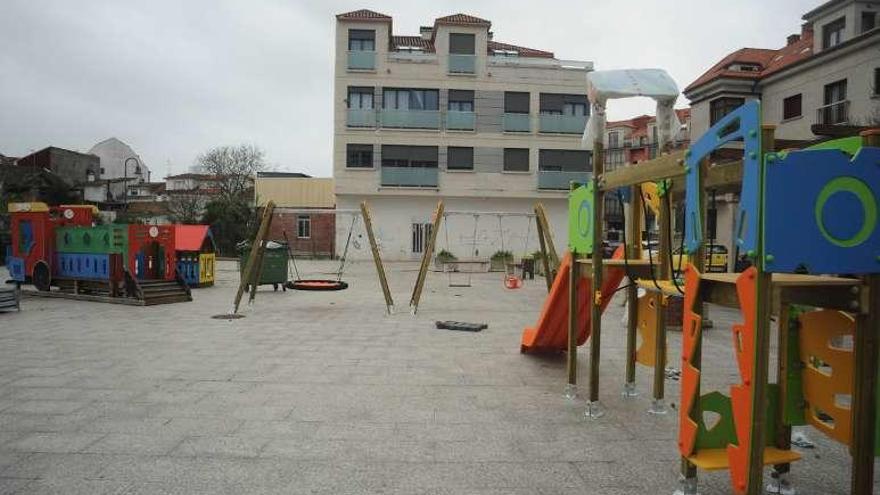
column 667, row 286
column 647, row 328
column 26, row 207
column 820, row 330
column 206, row 268
column 652, row 198
column 295, row 192
column 716, row 459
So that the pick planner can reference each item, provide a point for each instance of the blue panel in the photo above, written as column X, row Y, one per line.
column 16, row 268
column 82, row 266
column 821, row 212
column 188, row 268
column 748, row 117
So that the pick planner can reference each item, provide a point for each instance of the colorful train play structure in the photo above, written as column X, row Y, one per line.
column 62, row 248
column 808, row 224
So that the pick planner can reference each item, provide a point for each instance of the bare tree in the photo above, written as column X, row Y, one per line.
column 233, row 167
column 187, row 208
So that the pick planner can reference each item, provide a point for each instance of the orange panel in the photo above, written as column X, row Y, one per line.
column 647, row 328
column 828, row 371
column 741, row 395
column 690, row 375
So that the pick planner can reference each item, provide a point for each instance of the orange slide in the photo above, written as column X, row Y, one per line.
column 551, row 332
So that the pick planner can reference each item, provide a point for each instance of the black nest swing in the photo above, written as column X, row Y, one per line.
column 315, row 284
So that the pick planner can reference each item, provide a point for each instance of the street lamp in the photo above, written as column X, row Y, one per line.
column 137, row 171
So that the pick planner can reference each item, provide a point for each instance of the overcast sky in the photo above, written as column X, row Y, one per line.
column 173, row 78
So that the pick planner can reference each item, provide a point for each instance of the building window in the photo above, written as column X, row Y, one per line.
column 869, row 21
column 359, row 156
column 303, row 226
column 515, row 102
column 556, row 104
column 564, row 160
column 410, row 99
column 613, row 140
column 723, row 106
column 461, row 100
column 654, row 134
column 832, row 33
column 459, row 158
column 516, row 159
column 791, row 107
column 360, row 98
column 361, row 40
column 421, row 232
column 462, row 44
column 836, row 108
column 877, row 81
column 409, row 156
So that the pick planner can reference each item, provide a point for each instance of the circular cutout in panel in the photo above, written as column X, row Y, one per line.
column 585, row 216
column 68, row 214
column 846, row 212
column 154, row 231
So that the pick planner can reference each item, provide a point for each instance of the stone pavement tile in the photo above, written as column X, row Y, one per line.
column 125, row 443
column 132, row 426
column 232, row 446
column 75, row 487
column 43, row 381
column 203, row 425
column 349, row 450
column 8, row 458
column 120, row 409
column 54, row 442
column 62, row 466
column 11, row 486
column 478, row 451
column 356, row 431
column 209, row 488
column 43, row 393
column 45, row 407
column 290, row 429
column 184, row 470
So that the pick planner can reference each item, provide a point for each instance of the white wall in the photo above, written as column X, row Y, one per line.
column 113, row 154
column 393, row 219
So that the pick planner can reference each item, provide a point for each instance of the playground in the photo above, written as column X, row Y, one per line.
column 321, row 392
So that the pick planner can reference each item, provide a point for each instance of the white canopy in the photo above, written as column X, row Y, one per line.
column 653, row 83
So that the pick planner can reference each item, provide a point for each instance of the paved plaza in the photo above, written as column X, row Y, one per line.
column 322, row 393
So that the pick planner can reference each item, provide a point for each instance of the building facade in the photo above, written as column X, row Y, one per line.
column 119, row 161
column 453, row 114
column 73, row 167
column 304, row 213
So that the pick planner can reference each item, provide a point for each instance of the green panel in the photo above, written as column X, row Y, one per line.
column 274, row 265
column 580, row 219
column 772, row 416
column 99, row 239
column 848, row 145
column 724, row 432
column 793, row 408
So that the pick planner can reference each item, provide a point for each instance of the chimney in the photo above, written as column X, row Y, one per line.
column 426, row 32
column 792, row 39
column 806, row 29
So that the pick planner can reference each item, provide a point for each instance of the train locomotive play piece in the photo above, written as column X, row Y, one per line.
column 61, row 248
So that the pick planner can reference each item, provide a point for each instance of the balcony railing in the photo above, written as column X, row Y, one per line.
column 559, row 180
column 516, row 122
column 462, row 64
column 360, row 117
column 460, row 121
column 563, row 124
column 835, row 113
column 361, row 60
column 411, row 119
column 409, row 177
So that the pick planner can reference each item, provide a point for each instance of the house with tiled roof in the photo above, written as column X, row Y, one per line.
column 450, row 112
column 826, row 76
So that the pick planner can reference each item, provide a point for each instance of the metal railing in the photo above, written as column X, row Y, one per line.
column 834, row 113
column 411, row 119
column 560, row 180
column 562, row 124
column 361, row 60
column 460, row 121
column 360, row 117
column 462, row 64
column 516, row 122
column 409, row 177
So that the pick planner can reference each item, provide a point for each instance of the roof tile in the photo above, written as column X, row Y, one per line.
column 363, row 15
column 462, row 20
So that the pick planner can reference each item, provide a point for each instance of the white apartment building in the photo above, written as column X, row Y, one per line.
column 453, row 114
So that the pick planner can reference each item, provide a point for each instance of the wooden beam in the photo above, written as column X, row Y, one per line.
column 541, row 216
column 594, row 298
column 662, row 167
column 258, row 244
column 634, row 251
column 377, row 259
column 545, row 256
column 426, row 258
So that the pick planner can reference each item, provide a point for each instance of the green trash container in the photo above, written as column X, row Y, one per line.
column 274, row 263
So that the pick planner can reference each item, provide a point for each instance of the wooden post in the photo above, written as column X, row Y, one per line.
column 541, row 216
column 664, row 272
column 247, row 273
column 426, row 259
column 595, row 298
column 864, row 407
column 574, row 275
column 783, row 430
column 374, row 247
column 634, row 251
column 545, row 261
column 760, row 369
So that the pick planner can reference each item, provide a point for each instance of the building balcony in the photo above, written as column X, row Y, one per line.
column 411, row 119
column 556, row 180
column 516, row 122
column 359, row 117
column 460, row 121
column 462, row 64
column 563, row 124
column 409, row 177
column 833, row 114
column 361, row 60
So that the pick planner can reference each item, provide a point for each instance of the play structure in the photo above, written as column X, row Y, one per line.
column 804, row 214
column 62, row 247
column 196, row 254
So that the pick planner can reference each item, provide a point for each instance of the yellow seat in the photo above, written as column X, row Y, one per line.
column 716, row 459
